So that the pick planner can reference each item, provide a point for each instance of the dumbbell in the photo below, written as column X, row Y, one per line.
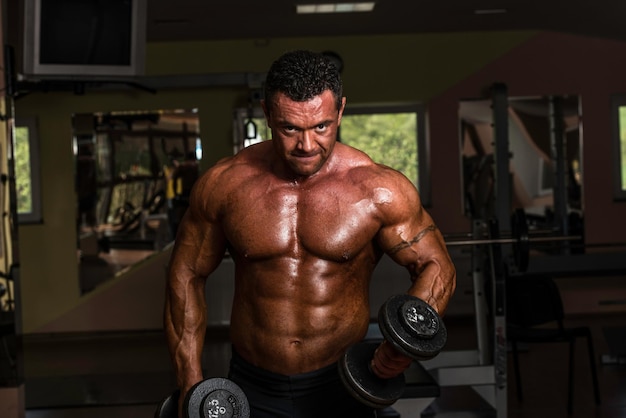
column 210, row 398
column 413, row 328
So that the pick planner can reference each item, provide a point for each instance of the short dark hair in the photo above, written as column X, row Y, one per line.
column 302, row 75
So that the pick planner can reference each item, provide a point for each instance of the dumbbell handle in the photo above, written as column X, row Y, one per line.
column 388, row 362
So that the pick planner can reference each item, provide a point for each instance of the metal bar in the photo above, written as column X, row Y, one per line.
column 498, row 283
column 463, row 376
column 511, row 240
column 452, row 358
column 531, row 233
column 555, row 239
column 558, row 148
column 502, row 169
column 480, row 302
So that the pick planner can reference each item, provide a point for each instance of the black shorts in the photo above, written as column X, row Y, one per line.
column 315, row 394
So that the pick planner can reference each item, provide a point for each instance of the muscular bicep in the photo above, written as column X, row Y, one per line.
column 411, row 238
column 200, row 243
column 197, row 253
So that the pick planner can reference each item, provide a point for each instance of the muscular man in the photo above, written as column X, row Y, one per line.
column 305, row 219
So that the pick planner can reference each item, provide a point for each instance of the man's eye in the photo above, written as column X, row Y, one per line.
column 321, row 127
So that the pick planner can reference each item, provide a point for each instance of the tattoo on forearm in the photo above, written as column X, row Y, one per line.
column 414, row 240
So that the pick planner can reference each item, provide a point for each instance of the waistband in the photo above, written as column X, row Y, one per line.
column 298, row 384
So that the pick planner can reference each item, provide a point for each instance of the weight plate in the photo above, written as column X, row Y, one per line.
column 521, row 244
column 417, row 317
column 400, row 323
column 168, row 408
column 216, row 397
column 362, row 383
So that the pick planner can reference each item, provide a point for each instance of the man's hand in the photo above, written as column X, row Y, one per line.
column 388, row 362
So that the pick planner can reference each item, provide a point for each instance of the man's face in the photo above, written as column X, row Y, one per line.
column 304, row 133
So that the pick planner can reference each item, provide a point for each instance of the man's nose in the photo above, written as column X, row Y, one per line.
column 307, row 141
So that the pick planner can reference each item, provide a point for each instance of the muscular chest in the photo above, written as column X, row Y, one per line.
column 328, row 221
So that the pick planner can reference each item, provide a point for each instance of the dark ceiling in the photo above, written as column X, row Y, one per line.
column 184, row 20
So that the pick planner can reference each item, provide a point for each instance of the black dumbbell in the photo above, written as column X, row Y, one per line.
column 413, row 328
column 210, row 398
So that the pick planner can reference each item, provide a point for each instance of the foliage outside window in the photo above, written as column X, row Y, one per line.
column 618, row 114
column 26, row 163
column 391, row 135
column 388, row 138
column 622, row 141
column 22, row 170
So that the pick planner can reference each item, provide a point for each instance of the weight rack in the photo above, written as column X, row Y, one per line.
column 483, row 369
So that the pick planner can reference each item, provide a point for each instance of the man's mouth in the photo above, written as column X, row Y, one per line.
column 304, row 155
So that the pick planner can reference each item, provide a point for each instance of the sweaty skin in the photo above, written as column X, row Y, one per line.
column 305, row 219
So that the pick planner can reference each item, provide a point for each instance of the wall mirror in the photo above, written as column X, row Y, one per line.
column 545, row 143
column 122, row 160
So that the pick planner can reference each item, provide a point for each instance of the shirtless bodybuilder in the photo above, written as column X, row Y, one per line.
column 305, row 219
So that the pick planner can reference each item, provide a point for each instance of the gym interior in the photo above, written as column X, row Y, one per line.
column 520, row 157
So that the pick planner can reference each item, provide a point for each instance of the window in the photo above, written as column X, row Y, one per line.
column 27, row 171
column 618, row 114
column 390, row 135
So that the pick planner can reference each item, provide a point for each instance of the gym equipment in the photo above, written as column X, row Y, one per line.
column 521, row 249
column 168, row 406
column 210, row 398
column 413, row 328
column 361, row 382
column 519, row 238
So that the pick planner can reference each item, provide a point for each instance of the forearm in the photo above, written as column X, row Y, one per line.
column 434, row 284
column 185, row 328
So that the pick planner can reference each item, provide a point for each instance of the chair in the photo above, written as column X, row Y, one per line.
column 535, row 315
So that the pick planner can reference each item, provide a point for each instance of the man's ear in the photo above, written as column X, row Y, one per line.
column 343, row 106
column 265, row 112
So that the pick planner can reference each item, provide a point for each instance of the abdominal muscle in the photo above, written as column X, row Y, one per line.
column 296, row 324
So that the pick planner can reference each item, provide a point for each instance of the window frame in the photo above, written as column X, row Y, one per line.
column 619, row 189
column 35, row 215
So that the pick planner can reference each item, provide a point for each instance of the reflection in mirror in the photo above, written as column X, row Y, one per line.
column 133, row 174
column 545, row 149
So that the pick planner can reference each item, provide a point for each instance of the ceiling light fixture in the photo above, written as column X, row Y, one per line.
column 335, row 7
column 489, row 11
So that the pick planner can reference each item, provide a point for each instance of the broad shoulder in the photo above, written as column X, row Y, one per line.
column 230, row 171
column 395, row 200
column 229, row 174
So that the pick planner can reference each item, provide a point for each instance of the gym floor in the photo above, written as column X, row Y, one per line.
column 126, row 374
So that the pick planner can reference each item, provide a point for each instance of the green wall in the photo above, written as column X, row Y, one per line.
column 378, row 69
